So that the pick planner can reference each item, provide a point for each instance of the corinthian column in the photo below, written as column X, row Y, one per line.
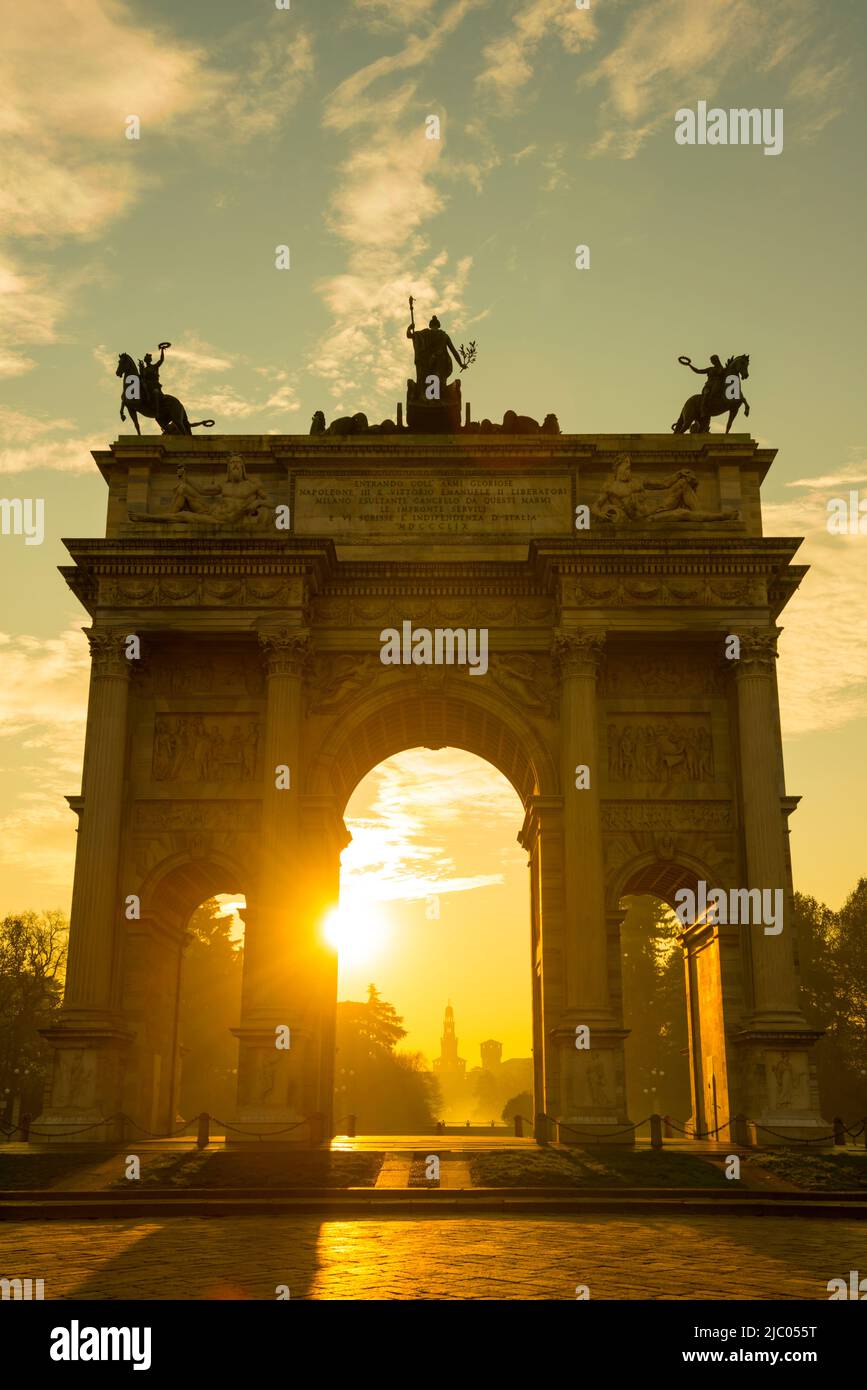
column 775, row 985
column 579, row 653
column 273, row 924
column 89, row 1039
column 96, row 915
column 588, row 1090
column 278, row 1078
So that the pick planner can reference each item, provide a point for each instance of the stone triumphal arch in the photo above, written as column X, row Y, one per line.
column 259, row 574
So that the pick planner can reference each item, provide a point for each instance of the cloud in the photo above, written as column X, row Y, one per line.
column 412, row 803
column 385, row 194
column 394, row 12
column 30, row 312
column 27, row 445
column 69, row 170
column 824, row 686
column 43, row 703
column 509, row 59
column 674, row 52
column 853, row 473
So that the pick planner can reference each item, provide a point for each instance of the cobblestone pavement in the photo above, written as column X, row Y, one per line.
column 439, row 1258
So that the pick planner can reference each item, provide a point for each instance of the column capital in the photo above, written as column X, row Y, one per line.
column 758, row 651
column 108, row 652
column 578, row 651
column 286, row 650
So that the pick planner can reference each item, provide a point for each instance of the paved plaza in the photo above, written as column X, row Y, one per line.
column 717, row 1257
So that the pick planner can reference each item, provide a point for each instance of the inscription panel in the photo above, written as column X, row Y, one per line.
column 422, row 505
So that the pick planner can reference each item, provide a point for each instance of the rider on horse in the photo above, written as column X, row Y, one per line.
column 149, row 373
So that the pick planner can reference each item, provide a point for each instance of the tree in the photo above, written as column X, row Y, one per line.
column 654, row 1009
column 210, row 1006
column 32, row 964
column 389, row 1092
column 522, row 1104
column 832, row 954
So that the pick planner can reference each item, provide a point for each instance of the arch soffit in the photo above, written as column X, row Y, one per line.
column 176, row 886
column 659, row 878
column 391, row 721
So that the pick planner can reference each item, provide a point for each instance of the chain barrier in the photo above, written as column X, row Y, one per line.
column 271, row 1134
column 590, row 1135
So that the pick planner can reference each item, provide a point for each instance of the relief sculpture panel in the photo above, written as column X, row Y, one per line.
column 660, row 749
column 205, row 748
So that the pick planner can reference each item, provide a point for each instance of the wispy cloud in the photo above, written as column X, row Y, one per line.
column 399, row 847
column 824, row 687
column 69, row 170
column 385, row 194
column 42, row 712
column 509, row 59
column 28, row 442
column 675, row 51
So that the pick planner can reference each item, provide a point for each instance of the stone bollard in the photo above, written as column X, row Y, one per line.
column 26, row 1121
column 839, row 1131
column 519, row 1126
column 204, row 1135
column 540, row 1128
column 351, row 1121
column 656, row 1131
column 740, row 1132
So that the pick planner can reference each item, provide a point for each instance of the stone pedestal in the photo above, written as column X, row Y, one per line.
column 441, row 416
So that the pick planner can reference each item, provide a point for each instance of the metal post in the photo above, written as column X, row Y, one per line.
column 656, row 1131
column 540, row 1128
column 839, row 1131
column 519, row 1126
column 26, row 1119
column 204, row 1134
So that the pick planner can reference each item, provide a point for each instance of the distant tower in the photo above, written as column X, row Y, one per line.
column 492, row 1056
column 449, row 1064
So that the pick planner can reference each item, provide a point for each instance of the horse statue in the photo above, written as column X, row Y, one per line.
column 139, row 398
column 719, row 397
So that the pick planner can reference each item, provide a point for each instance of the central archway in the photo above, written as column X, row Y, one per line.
column 391, row 721
column 433, row 913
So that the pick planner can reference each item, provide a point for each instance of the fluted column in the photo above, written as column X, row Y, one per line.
column 273, row 930
column 278, row 1085
column 96, row 915
column 586, row 1073
column 775, row 985
column 579, row 654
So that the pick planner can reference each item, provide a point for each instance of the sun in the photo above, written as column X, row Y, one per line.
column 356, row 931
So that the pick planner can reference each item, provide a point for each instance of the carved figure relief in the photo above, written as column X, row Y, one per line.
column 787, row 1079
column 234, row 500
column 665, row 750
column 337, row 679
column 205, row 748
column 625, row 498
column 527, row 679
